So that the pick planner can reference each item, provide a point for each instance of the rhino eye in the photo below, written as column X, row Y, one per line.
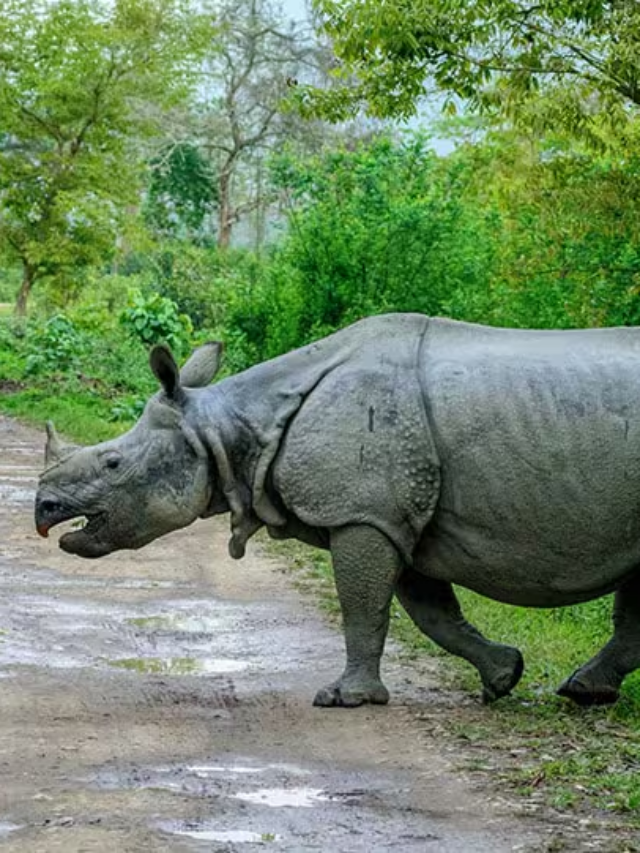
column 113, row 463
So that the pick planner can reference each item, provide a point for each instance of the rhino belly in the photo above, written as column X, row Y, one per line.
column 522, row 570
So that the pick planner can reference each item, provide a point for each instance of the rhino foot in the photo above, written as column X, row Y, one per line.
column 503, row 676
column 585, row 693
column 342, row 694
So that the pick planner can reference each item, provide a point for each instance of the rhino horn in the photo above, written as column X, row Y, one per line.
column 55, row 450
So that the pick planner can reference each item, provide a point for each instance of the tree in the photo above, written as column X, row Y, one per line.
column 381, row 226
column 78, row 79
column 493, row 54
column 565, row 228
column 182, row 191
column 255, row 60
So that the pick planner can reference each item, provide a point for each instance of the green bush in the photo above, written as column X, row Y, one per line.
column 154, row 319
column 381, row 227
column 54, row 347
column 9, row 283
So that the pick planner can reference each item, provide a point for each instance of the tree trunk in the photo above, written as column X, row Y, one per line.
column 28, row 278
column 225, row 214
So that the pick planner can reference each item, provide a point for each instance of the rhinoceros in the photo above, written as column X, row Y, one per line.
column 421, row 452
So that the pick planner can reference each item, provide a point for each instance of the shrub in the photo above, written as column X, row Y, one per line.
column 55, row 347
column 154, row 319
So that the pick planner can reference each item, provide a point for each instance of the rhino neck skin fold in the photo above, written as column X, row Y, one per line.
column 421, row 452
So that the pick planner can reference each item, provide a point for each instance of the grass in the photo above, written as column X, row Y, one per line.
column 539, row 746
column 82, row 418
column 92, row 400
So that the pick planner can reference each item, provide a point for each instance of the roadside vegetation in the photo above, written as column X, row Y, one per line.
column 235, row 218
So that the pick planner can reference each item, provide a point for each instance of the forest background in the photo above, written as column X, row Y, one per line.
column 175, row 172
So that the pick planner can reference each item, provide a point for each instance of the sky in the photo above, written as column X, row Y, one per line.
column 296, row 9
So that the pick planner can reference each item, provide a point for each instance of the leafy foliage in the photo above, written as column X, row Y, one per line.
column 378, row 228
column 55, row 347
column 564, row 225
column 155, row 319
column 73, row 79
column 182, row 191
column 495, row 55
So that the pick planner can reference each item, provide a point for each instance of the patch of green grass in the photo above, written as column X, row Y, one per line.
column 268, row 836
column 570, row 758
column 91, row 383
column 81, row 416
column 533, row 742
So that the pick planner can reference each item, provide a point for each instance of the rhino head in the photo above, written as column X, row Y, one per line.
column 149, row 481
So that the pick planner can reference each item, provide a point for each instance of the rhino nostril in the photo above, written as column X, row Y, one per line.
column 49, row 506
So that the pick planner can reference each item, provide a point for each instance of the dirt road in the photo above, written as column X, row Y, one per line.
column 161, row 701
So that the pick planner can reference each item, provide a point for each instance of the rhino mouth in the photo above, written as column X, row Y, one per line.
column 86, row 541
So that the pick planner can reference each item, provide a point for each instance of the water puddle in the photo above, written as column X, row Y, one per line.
column 60, row 631
column 299, row 798
column 241, row 799
column 6, row 828
column 179, row 665
column 56, row 625
column 229, row 836
column 179, row 622
column 206, row 770
column 218, row 778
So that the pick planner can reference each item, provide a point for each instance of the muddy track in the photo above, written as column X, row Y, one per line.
column 161, row 700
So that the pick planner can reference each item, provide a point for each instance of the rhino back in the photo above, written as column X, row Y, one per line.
column 538, row 435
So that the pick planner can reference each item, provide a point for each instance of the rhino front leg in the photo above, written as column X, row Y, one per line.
column 433, row 606
column 366, row 566
column 598, row 681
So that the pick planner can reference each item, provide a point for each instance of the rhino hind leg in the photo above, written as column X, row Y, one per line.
column 434, row 608
column 366, row 566
column 598, row 681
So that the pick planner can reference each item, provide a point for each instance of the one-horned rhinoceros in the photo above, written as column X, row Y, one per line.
column 422, row 453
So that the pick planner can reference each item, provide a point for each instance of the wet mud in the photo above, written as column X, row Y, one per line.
column 160, row 700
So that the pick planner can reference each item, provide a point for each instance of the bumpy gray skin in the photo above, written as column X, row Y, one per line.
column 421, row 452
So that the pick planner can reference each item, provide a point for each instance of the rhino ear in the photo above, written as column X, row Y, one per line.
column 166, row 371
column 53, row 447
column 202, row 366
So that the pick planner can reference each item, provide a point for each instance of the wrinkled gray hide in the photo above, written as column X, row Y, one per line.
column 422, row 453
